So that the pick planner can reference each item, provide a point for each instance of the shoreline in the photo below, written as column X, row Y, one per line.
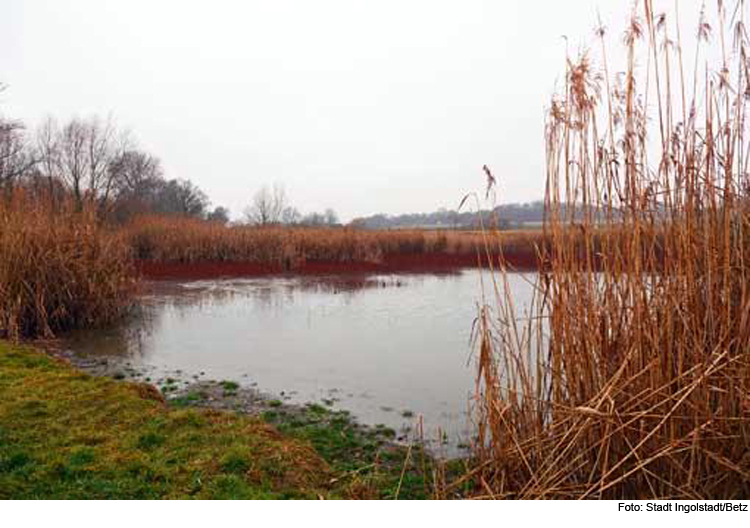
column 522, row 261
column 325, row 452
column 179, row 390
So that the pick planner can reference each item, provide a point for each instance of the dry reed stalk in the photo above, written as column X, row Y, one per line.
column 632, row 377
column 183, row 240
column 59, row 269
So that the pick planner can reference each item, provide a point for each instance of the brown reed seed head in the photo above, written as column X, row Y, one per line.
column 631, row 377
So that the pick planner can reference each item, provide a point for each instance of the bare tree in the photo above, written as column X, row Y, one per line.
column 219, row 214
column 16, row 158
column 47, row 153
column 259, row 212
column 331, row 218
column 15, row 155
column 81, row 154
column 135, row 172
column 268, row 206
column 314, row 219
column 326, row 218
column 137, row 177
column 181, row 197
column 290, row 216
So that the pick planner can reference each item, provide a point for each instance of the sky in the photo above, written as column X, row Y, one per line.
column 387, row 106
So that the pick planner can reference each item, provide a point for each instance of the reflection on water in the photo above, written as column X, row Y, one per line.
column 380, row 346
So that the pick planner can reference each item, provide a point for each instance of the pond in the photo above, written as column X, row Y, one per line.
column 387, row 348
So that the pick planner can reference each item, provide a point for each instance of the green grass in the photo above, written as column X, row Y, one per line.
column 68, row 435
column 188, row 400
column 369, row 465
column 65, row 434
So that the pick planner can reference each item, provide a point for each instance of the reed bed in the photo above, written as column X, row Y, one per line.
column 629, row 375
column 62, row 268
column 184, row 240
column 59, row 269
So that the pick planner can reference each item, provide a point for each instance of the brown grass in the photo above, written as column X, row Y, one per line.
column 58, row 269
column 183, row 240
column 165, row 239
column 630, row 375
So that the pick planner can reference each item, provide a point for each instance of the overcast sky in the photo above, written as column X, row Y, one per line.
column 380, row 106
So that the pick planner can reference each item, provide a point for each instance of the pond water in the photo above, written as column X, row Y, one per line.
column 387, row 348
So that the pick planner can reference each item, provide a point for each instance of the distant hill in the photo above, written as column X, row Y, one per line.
column 507, row 216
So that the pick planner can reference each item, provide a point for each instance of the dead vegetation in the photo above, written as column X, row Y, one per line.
column 185, row 240
column 59, row 269
column 629, row 376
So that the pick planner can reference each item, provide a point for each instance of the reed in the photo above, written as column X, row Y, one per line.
column 184, row 240
column 59, row 269
column 629, row 375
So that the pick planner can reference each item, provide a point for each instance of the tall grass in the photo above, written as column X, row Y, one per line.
column 630, row 375
column 59, row 269
column 184, row 240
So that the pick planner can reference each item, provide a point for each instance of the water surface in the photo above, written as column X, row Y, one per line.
column 383, row 347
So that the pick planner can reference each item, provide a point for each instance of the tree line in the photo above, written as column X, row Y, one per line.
column 271, row 206
column 97, row 164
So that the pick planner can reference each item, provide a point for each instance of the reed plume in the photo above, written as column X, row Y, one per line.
column 629, row 376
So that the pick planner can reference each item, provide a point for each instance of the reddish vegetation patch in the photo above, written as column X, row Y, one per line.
column 422, row 262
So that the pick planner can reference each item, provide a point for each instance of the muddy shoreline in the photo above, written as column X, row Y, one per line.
column 77, row 433
column 177, row 389
column 248, row 390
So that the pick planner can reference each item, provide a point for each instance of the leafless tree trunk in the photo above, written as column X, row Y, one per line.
column 268, row 206
column 16, row 158
column 290, row 216
column 81, row 154
column 137, row 177
column 48, row 154
column 331, row 217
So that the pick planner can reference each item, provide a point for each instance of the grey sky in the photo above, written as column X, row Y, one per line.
column 378, row 106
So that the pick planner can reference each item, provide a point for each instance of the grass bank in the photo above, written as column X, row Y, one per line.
column 66, row 434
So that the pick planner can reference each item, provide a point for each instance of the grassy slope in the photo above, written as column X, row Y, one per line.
column 65, row 434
